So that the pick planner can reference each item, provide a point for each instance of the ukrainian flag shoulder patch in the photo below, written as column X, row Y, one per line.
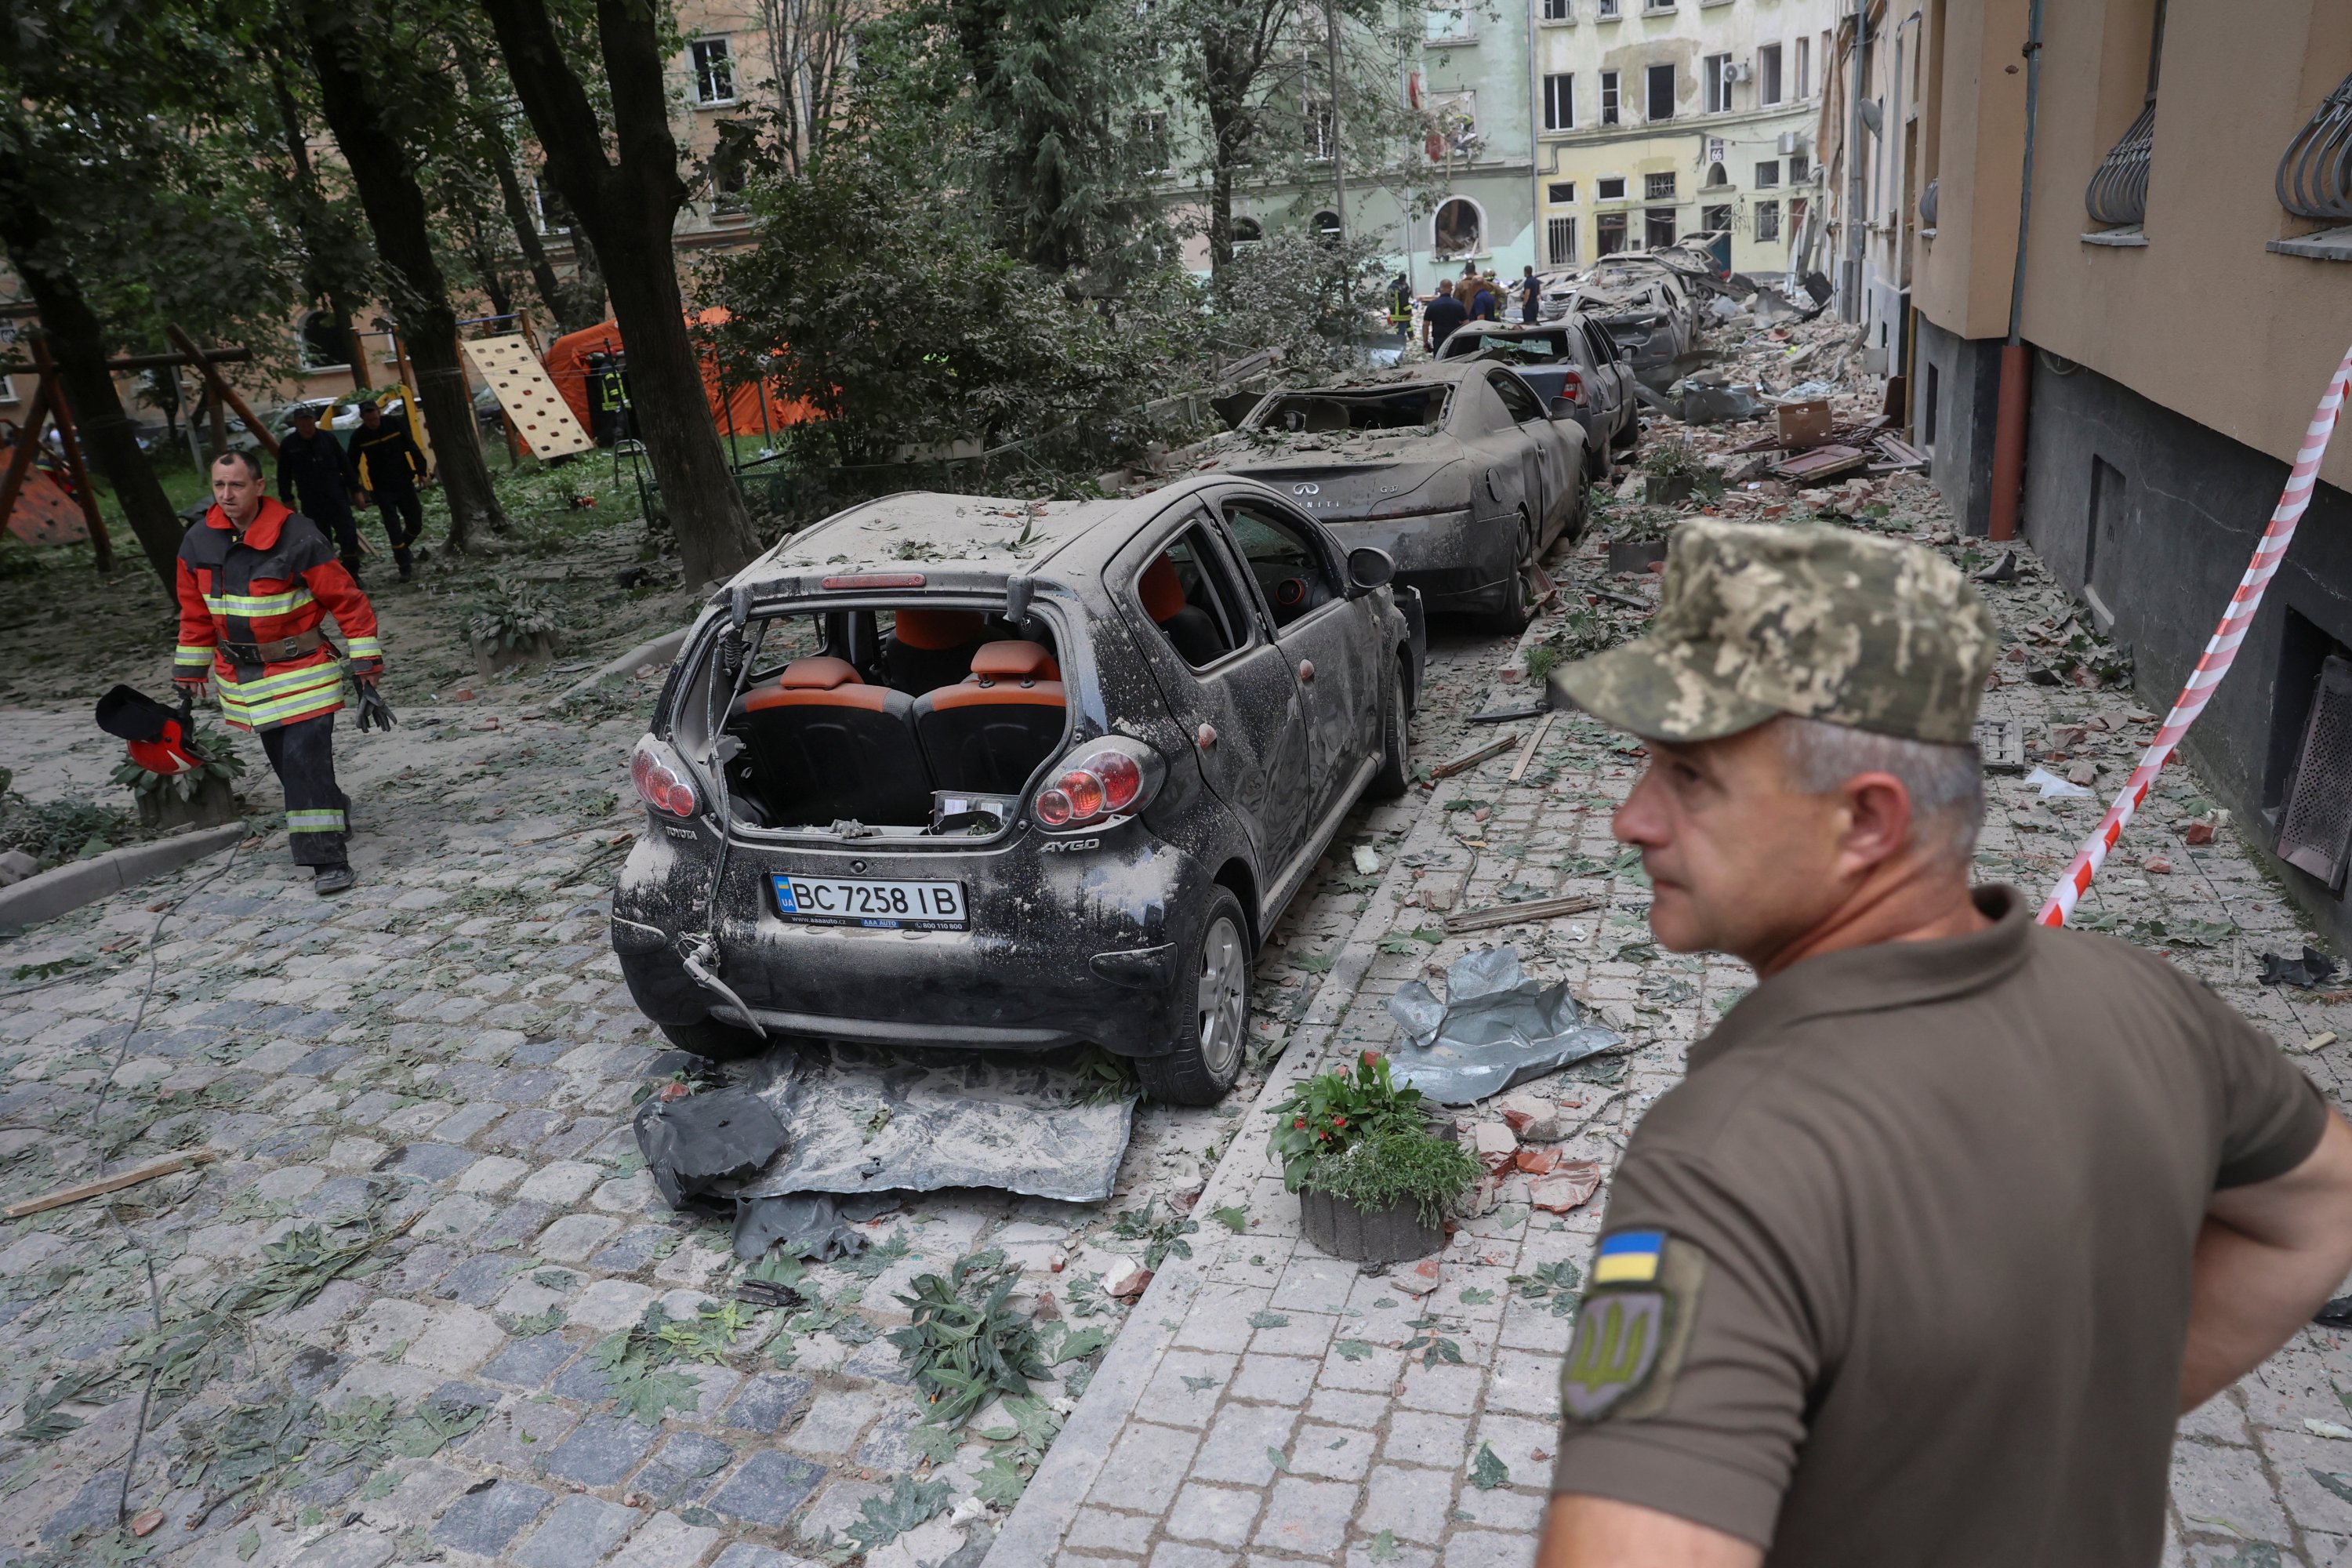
column 1629, row 1258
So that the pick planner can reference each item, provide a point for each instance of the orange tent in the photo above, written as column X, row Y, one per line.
column 736, row 413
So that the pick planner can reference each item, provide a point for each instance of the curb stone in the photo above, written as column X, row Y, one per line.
column 66, row 887
column 1034, row 1532
column 660, row 650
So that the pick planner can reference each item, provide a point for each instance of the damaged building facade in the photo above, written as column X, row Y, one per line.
column 2181, row 311
column 1659, row 120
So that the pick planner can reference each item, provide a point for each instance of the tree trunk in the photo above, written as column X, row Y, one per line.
column 77, row 342
column 386, row 177
column 309, row 208
column 627, row 208
column 559, row 301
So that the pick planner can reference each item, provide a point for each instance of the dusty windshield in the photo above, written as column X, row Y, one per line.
column 1516, row 348
column 1383, row 408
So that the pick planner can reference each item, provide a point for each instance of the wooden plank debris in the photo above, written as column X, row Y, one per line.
column 1469, row 759
column 1528, row 911
column 114, row 1183
column 1527, row 751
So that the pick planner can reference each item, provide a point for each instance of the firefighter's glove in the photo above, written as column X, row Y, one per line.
column 374, row 711
column 200, row 690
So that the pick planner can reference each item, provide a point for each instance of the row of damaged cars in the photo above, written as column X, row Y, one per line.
column 1005, row 776
column 1652, row 302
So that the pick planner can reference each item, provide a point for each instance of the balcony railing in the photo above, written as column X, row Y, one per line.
column 2314, row 178
column 2118, row 193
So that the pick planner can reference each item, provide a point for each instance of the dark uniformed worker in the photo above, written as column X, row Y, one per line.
column 390, row 468
column 254, row 580
column 316, row 477
column 608, row 400
column 1953, row 1214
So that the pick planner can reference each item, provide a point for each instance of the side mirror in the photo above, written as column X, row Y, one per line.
column 1562, row 408
column 1369, row 568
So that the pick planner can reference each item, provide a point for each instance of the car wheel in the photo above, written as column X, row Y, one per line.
column 715, row 1041
column 1214, row 998
column 1519, row 594
column 1396, row 744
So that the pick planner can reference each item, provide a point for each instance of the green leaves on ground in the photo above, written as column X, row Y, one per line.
column 1384, row 1547
column 1076, row 1344
column 1488, row 1471
column 633, row 1363
column 1233, row 1217
column 1160, row 1237
column 1555, row 1281
column 966, row 1344
column 301, row 1263
column 910, row 1502
column 876, row 1260
column 1264, row 1320
column 1353, row 1350
column 1021, row 1446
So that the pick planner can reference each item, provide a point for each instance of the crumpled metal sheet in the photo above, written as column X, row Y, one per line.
column 861, row 1120
column 1497, row 1028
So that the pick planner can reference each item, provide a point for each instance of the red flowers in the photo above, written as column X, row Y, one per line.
column 1300, row 1122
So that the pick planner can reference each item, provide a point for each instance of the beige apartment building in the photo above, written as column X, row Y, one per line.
column 1662, row 118
column 2186, row 294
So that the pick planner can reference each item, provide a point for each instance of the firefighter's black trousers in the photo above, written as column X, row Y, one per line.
column 302, row 755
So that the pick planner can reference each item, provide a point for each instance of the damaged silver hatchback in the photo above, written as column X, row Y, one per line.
column 944, row 770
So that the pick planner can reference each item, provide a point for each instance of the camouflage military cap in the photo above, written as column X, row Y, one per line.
column 1820, row 622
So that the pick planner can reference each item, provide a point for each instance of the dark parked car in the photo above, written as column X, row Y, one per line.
column 947, row 770
column 1456, row 469
column 1575, row 359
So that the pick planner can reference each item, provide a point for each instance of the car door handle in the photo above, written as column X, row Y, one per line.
column 1306, row 670
column 1207, row 736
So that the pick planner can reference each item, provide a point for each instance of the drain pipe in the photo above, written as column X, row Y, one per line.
column 1856, row 177
column 2009, row 427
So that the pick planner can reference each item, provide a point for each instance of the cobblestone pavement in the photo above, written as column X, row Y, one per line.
column 1270, row 1404
column 406, row 1313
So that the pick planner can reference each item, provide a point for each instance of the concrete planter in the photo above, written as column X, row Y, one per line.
column 1360, row 1236
column 533, row 655
column 1635, row 554
column 1662, row 489
column 214, row 803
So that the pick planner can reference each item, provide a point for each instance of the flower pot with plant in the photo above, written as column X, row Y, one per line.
column 510, row 626
column 1672, row 472
column 201, row 796
column 1375, row 1179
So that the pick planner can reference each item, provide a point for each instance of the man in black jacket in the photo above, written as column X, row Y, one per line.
column 390, row 467
column 315, row 477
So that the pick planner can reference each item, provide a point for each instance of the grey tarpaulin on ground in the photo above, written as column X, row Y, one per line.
column 1495, row 1028
column 860, row 1120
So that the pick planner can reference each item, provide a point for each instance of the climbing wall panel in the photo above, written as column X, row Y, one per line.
column 45, row 514
column 545, row 423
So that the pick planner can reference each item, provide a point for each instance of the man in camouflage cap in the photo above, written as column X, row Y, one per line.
column 1953, row 1214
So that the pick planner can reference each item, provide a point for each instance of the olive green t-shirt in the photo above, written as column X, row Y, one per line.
column 1899, row 1274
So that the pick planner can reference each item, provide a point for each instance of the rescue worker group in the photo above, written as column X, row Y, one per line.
column 1945, row 1222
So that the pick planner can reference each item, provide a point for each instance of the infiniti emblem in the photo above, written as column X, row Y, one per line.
column 1306, row 490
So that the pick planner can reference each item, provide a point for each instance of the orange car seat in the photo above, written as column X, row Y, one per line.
column 989, row 733
column 825, row 746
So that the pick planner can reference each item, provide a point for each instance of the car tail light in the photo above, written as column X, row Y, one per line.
column 661, row 779
column 1572, row 387
column 1110, row 777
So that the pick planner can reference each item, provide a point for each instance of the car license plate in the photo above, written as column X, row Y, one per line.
column 892, row 906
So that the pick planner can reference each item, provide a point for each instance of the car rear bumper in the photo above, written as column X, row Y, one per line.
column 1053, row 958
column 1458, row 563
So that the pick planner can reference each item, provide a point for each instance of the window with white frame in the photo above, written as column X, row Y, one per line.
column 1609, row 188
column 1767, row 74
column 1151, row 142
column 1560, row 240
column 714, row 70
column 1804, row 68
column 1448, row 22
column 1767, row 220
column 1768, row 173
column 1560, row 102
column 1658, row 187
column 1608, row 98
column 1715, row 78
column 1557, row 11
column 1605, row 10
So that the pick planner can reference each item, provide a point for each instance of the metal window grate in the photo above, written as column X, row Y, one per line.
column 2314, row 177
column 2315, row 828
column 2118, row 193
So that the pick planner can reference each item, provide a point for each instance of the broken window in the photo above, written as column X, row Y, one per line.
column 1608, row 97
column 1796, row 214
column 1768, row 173
column 1658, row 187
column 1767, row 220
column 1448, row 23
column 1607, row 234
column 1560, row 102
column 714, row 70
column 1555, row 10
column 1409, row 407
column 1714, row 220
column 1658, row 227
column 1213, row 621
column 1561, row 191
column 1320, row 129
column 1458, row 230
column 1152, row 138
column 1804, row 68
column 2316, row 825
column 1606, row 10
column 1560, row 241
column 1800, row 169
column 1661, row 81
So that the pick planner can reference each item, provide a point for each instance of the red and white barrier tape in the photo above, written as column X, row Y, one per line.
column 2218, row 652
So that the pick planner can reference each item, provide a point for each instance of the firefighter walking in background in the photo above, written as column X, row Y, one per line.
column 255, row 582
column 390, row 468
column 608, row 400
column 315, row 474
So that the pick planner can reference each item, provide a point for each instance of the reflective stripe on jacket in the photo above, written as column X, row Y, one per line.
column 281, row 578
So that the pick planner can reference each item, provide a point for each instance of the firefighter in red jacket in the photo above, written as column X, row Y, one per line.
column 255, row 582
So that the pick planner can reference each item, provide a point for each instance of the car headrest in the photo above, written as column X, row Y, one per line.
column 932, row 630
column 1022, row 661
column 819, row 674
column 1163, row 595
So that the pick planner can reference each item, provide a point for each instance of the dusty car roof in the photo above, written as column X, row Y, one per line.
column 976, row 533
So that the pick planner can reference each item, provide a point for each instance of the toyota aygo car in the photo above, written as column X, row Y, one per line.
column 1011, row 775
